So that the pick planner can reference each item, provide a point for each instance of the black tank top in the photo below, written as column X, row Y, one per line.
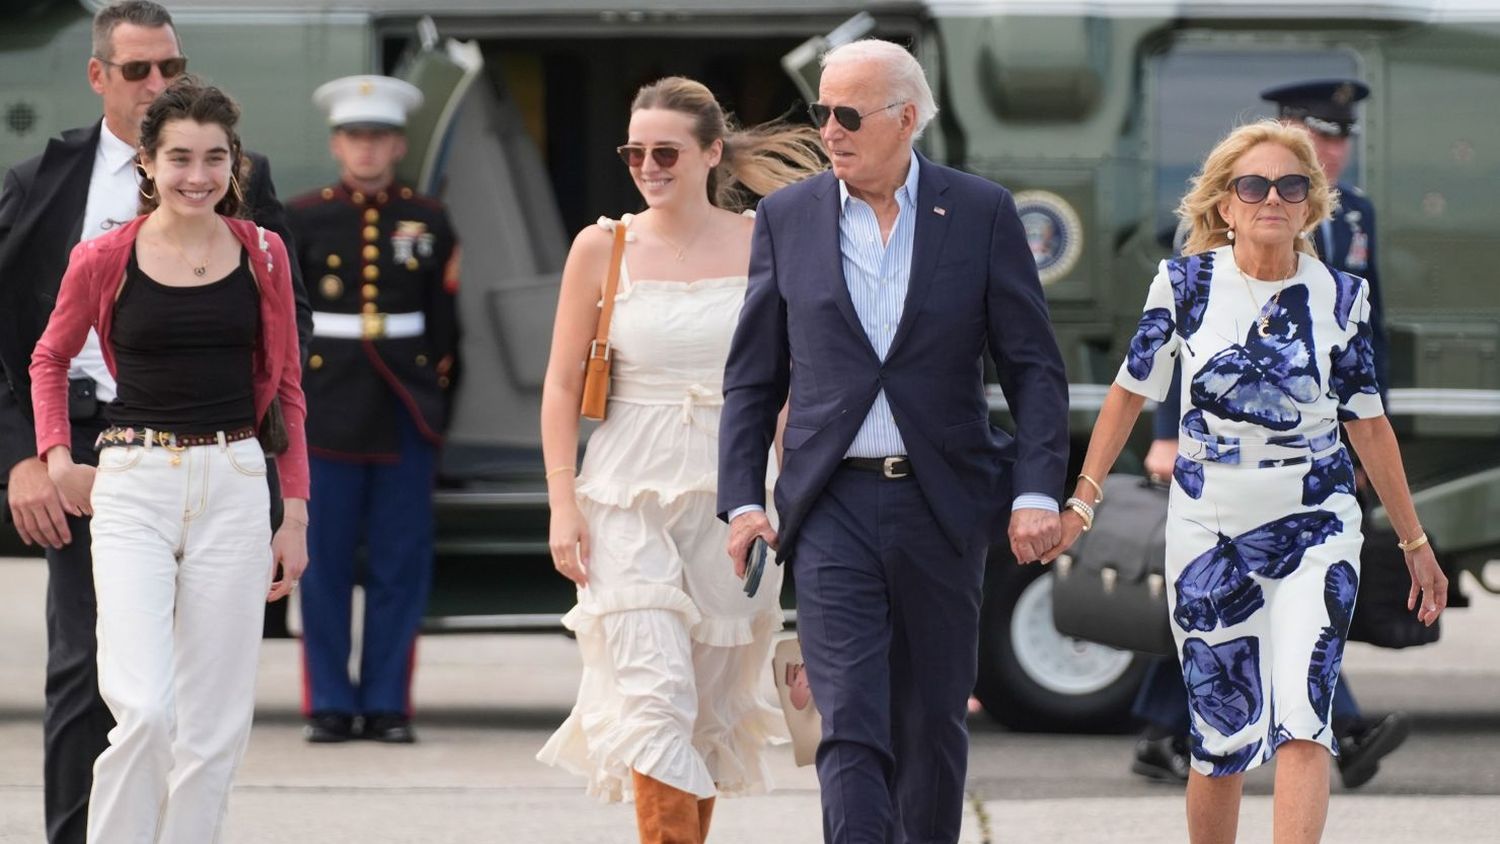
column 184, row 356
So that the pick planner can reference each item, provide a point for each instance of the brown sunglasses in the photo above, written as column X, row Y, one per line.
column 634, row 155
column 138, row 70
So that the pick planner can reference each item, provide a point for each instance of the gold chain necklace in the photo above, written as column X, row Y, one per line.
column 199, row 269
column 1264, row 320
column 681, row 250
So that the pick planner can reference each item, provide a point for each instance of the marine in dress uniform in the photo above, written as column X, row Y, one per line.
column 381, row 265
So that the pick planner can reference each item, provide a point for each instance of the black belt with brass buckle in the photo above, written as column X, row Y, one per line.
column 894, row 468
column 166, row 439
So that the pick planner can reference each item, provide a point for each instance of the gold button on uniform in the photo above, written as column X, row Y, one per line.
column 372, row 234
column 357, row 197
column 406, row 193
column 331, row 286
column 412, row 264
column 371, row 252
column 334, row 262
column 370, row 308
column 421, row 360
column 369, row 291
column 381, row 197
column 315, row 362
column 372, row 272
column 327, row 193
column 443, row 381
column 372, row 216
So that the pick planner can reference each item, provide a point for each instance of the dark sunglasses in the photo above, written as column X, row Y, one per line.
column 847, row 116
column 136, row 71
column 1253, row 189
column 634, row 155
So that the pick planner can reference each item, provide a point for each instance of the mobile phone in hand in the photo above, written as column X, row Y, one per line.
column 755, row 565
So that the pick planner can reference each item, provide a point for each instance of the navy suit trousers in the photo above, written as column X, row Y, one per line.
column 888, row 615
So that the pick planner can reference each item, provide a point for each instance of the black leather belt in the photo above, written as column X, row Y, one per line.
column 894, row 467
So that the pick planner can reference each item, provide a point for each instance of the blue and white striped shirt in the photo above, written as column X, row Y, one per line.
column 878, row 273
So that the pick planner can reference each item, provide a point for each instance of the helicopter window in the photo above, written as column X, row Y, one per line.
column 1204, row 90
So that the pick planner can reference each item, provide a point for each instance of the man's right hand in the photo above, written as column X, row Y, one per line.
column 742, row 531
column 1160, row 459
column 36, row 506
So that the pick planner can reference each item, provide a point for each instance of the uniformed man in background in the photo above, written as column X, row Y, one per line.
column 1347, row 238
column 381, row 264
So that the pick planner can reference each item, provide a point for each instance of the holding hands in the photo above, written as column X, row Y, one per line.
column 1033, row 534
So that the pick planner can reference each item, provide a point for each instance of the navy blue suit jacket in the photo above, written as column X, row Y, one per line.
column 973, row 286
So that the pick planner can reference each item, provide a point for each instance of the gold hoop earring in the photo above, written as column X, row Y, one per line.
column 150, row 197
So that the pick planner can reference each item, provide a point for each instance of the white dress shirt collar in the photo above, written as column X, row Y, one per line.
column 910, row 185
column 113, row 152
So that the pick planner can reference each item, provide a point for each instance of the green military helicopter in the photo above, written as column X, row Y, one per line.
column 1094, row 113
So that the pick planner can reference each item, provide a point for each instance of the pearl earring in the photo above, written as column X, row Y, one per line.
column 1230, row 234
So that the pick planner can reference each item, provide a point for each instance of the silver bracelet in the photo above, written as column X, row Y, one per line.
column 1082, row 508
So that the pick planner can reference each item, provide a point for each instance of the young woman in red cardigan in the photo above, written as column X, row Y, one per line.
column 194, row 311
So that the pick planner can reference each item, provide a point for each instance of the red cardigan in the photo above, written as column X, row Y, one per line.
column 90, row 287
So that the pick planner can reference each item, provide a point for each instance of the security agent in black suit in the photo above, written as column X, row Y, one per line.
column 48, row 203
column 1345, row 241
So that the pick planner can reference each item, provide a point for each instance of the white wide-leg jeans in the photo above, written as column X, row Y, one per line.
column 182, row 563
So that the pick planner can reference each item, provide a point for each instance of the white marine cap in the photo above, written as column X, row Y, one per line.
column 367, row 101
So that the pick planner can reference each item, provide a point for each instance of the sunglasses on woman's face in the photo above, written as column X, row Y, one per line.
column 634, row 155
column 136, row 71
column 848, row 117
column 1255, row 189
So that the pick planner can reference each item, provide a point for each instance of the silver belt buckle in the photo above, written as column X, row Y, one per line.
column 888, row 468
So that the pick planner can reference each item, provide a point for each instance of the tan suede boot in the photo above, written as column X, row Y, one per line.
column 705, row 814
column 664, row 814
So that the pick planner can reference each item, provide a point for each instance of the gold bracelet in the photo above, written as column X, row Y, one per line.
column 1414, row 544
column 1093, row 483
column 555, row 470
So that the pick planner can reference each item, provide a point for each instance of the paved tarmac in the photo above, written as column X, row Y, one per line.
column 487, row 702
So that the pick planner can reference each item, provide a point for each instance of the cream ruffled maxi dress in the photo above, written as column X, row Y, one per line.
column 674, row 653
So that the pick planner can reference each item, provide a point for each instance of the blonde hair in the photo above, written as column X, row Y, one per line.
column 1199, row 209
column 756, row 161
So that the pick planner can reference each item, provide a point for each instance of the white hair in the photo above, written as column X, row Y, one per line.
column 907, row 81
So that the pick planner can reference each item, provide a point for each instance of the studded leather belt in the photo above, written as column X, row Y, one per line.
column 166, row 439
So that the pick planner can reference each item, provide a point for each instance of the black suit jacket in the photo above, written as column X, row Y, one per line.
column 41, row 218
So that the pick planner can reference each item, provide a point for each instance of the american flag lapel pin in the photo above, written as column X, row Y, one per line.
column 940, row 210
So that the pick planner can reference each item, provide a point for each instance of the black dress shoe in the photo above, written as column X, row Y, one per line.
column 1164, row 759
column 328, row 728
column 1360, row 751
column 389, row 728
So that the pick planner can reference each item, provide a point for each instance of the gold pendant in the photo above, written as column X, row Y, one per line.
column 1265, row 330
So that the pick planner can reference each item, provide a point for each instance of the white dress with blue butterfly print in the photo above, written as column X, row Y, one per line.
column 1263, row 531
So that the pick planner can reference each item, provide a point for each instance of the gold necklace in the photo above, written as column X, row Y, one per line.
column 681, row 250
column 199, row 269
column 1264, row 320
